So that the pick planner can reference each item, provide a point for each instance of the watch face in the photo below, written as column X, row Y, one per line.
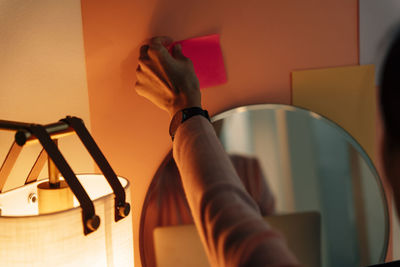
column 175, row 122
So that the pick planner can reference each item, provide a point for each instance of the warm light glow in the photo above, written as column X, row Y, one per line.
column 57, row 239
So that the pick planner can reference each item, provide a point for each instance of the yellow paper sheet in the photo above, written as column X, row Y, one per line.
column 345, row 95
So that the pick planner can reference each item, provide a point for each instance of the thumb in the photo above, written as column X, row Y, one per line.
column 177, row 52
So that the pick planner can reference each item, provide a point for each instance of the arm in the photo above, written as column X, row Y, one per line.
column 228, row 220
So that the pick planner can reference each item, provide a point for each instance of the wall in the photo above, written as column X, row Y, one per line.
column 43, row 74
column 262, row 42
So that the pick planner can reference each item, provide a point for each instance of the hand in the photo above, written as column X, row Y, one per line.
column 169, row 81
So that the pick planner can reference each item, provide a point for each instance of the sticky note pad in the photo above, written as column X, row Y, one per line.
column 206, row 55
column 345, row 95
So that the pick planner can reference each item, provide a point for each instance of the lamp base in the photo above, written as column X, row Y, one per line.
column 52, row 199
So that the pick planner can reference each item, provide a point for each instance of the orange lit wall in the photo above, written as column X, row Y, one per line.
column 262, row 42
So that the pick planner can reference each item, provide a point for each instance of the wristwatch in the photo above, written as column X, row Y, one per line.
column 182, row 116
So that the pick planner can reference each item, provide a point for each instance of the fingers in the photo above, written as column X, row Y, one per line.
column 144, row 72
column 140, row 88
column 145, row 69
column 143, row 52
column 161, row 40
column 155, row 96
column 158, row 49
column 142, row 66
column 177, row 52
column 159, row 53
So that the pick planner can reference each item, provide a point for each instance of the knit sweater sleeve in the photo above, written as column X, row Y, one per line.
column 228, row 220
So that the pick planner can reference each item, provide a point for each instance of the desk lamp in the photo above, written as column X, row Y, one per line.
column 42, row 224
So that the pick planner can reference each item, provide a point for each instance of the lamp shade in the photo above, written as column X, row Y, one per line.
column 57, row 239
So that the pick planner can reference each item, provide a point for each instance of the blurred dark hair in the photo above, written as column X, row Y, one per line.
column 390, row 92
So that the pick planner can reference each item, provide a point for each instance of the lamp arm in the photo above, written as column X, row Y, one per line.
column 122, row 208
column 55, row 130
column 27, row 133
column 13, row 125
column 90, row 220
column 23, row 135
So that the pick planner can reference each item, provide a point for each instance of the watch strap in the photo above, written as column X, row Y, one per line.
column 183, row 115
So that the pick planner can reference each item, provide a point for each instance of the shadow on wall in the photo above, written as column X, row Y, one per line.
column 165, row 20
column 129, row 65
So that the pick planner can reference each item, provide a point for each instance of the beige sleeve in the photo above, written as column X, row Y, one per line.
column 227, row 218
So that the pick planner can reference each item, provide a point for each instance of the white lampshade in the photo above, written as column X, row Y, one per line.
column 57, row 239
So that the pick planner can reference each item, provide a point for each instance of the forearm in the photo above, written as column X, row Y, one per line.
column 228, row 220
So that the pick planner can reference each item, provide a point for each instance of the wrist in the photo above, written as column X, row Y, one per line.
column 181, row 105
column 185, row 97
column 183, row 115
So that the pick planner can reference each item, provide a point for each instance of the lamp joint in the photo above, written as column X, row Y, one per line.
column 93, row 223
column 123, row 210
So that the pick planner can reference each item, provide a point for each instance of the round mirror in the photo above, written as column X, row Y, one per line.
column 306, row 174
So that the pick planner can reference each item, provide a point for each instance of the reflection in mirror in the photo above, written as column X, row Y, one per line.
column 293, row 162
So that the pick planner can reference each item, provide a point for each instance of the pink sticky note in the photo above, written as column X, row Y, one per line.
column 206, row 55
